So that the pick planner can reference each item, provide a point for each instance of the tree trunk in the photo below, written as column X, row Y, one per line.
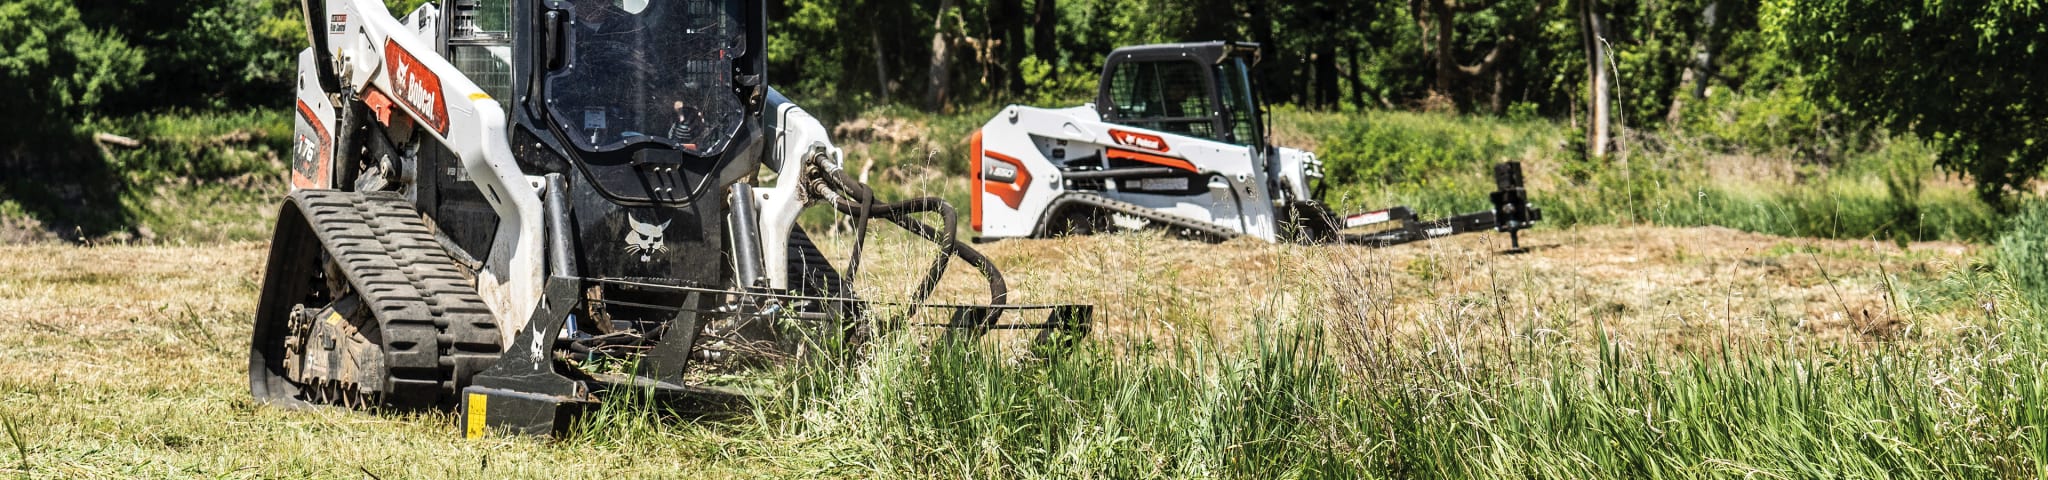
column 1442, row 18
column 1709, row 69
column 1009, row 25
column 1274, row 68
column 1699, row 70
column 940, row 78
column 1357, row 77
column 1498, row 102
column 881, row 64
column 1594, row 32
column 1326, row 75
column 1044, row 31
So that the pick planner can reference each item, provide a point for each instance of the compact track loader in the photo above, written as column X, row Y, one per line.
column 1177, row 140
column 510, row 207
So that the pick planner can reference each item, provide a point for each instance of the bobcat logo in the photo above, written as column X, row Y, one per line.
column 645, row 238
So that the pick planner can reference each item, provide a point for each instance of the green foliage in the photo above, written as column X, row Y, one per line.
column 254, row 44
column 56, row 69
column 1049, row 86
column 203, row 146
column 1437, row 165
column 1963, row 74
column 2022, row 252
column 1781, row 121
column 1889, row 202
column 1396, row 148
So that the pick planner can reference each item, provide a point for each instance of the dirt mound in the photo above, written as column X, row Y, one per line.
column 880, row 130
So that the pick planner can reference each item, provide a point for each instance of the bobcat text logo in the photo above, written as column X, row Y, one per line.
column 1140, row 140
column 645, row 238
column 416, row 86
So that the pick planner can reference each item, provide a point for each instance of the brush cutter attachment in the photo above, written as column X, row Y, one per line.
column 1511, row 214
column 537, row 387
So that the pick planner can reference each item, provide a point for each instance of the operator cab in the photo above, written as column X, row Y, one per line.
column 655, row 102
column 1195, row 89
column 649, row 109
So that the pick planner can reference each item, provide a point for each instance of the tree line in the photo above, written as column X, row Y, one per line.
column 1965, row 74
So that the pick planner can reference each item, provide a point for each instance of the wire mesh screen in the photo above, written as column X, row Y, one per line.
column 1168, row 96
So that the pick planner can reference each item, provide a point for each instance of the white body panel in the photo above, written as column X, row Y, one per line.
column 366, row 40
column 797, row 137
column 312, row 131
column 1239, row 194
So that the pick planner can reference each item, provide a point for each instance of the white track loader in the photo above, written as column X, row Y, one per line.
column 1177, row 140
column 515, row 206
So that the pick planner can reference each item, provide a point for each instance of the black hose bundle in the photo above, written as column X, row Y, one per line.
column 855, row 198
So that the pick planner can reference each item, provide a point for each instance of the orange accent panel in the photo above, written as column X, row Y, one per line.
column 974, row 196
column 312, row 172
column 380, row 104
column 1121, row 154
column 1012, row 194
column 415, row 87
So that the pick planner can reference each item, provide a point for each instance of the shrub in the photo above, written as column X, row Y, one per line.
column 1780, row 121
column 2022, row 252
column 1387, row 148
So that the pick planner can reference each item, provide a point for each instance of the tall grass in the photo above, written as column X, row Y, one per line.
column 1438, row 165
column 1332, row 401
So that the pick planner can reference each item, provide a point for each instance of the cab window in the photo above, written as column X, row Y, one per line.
column 1242, row 123
column 1166, row 96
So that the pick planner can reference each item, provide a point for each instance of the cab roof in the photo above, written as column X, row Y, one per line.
column 1210, row 52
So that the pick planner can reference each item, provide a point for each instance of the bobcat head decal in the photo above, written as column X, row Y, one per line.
column 645, row 238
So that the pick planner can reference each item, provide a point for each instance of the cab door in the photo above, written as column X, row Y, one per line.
column 1173, row 96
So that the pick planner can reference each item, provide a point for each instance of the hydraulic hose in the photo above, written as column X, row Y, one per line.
column 855, row 198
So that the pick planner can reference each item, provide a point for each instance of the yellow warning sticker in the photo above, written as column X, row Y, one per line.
column 479, row 96
column 474, row 420
column 334, row 319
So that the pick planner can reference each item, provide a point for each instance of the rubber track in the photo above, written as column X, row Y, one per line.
column 1205, row 230
column 809, row 272
column 436, row 329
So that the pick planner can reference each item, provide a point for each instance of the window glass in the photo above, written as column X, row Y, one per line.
column 656, row 71
column 1237, row 97
column 1167, row 96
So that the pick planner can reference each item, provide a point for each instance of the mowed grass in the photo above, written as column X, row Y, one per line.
column 1606, row 352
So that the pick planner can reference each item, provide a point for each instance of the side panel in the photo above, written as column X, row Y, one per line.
column 376, row 50
column 975, row 189
column 1210, row 180
column 796, row 138
column 312, row 131
column 1294, row 169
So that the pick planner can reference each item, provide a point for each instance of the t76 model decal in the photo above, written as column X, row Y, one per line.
column 311, row 153
column 416, row 87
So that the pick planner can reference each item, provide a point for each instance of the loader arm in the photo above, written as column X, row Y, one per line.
column 375, row 54
column 615, row 197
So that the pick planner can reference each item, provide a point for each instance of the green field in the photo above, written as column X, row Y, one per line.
column 1809, row 245
column 1690, row 311
column 1622, row 352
